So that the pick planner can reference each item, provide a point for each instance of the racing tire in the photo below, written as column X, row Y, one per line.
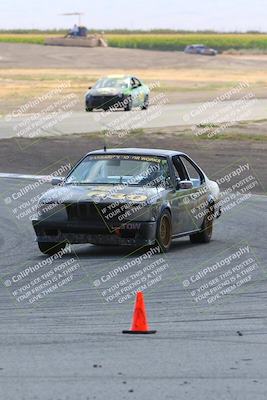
column 50, row 248
column 146, row 103
column 204, row 236
column 164, row 231
column 129, row 104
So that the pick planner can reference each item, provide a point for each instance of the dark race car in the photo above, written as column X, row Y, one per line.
column 117, row 91
column 128, row 197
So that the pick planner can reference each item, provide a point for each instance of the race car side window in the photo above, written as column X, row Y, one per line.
column 137, row 82
column 179, row 169
column 194, row 173
column 134, row 83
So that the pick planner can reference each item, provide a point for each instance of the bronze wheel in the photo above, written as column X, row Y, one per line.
column 164, row 231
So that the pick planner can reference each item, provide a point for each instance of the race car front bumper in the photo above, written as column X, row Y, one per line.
column 104, row 102
column 130, row 234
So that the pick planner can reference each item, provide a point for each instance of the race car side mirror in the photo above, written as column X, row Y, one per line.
column 57, row 180
column 184, row 185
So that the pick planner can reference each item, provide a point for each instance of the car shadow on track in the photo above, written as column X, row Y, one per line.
column 99, row 252
column 86, row 251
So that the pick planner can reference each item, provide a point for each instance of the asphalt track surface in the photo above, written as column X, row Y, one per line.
column 157, row 116
column 69, row 345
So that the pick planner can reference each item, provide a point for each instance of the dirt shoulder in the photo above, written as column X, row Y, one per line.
column 214, row 156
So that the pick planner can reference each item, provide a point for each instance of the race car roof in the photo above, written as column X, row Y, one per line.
column 118, row 76
column 139, row 151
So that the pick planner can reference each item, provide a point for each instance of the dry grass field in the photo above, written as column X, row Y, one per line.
column 28, row 70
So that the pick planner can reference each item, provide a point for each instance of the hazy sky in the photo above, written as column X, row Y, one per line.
column 220, row 15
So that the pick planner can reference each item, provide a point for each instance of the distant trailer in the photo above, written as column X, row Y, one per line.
column 77, row 41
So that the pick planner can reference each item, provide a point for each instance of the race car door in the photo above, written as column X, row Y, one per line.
column 181, row 201
column 137, row 92
column 197, row 199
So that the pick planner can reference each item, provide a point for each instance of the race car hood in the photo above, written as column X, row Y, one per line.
column 102, row 194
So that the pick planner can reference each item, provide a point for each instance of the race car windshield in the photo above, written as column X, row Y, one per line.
column 111, row 83
column 121, row 169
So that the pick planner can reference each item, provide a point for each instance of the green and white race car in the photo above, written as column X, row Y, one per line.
column 117, row 91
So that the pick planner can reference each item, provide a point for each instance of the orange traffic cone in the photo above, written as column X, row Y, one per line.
column 139, row 323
